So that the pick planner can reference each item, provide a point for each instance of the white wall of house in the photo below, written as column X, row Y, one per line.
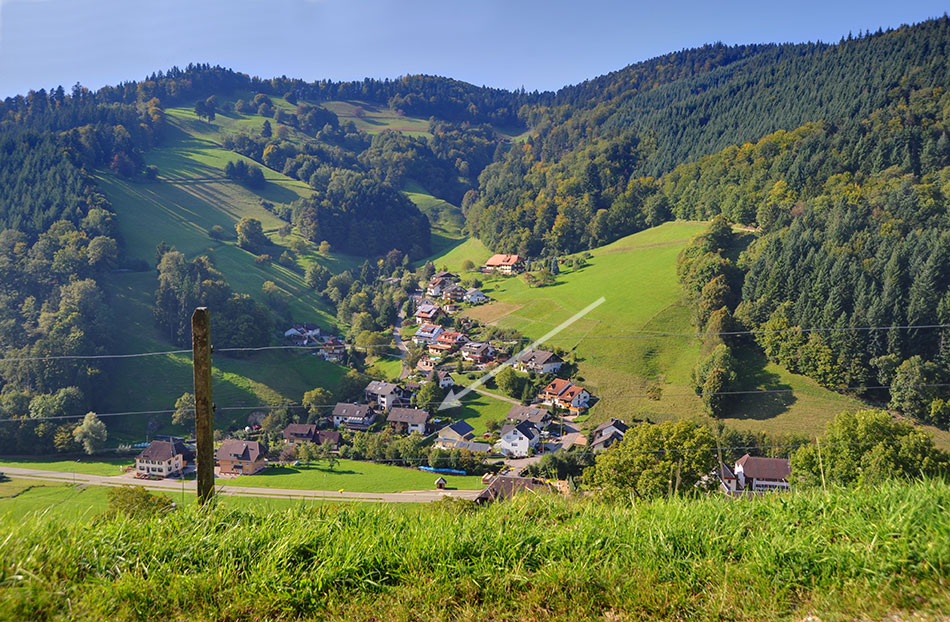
column 164, row 468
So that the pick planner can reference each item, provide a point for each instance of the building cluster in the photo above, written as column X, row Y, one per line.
column 328, row 347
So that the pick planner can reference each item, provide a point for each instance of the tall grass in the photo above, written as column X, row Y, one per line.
column 838, row 555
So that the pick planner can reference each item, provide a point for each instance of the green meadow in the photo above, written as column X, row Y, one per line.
column 352, row 476
column 615, row 347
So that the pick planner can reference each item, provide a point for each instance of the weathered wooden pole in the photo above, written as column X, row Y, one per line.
column 204, row 417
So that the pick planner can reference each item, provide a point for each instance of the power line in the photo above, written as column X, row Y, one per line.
column 576, row 338
column 437, row 402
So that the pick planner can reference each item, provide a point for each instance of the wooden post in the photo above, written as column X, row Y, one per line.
column 204, row 417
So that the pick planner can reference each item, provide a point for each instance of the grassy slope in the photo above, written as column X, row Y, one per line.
column 353, row 476
column 191, row 196
column 23, row 499
column 637, row 277
column 89, row 466
column 874, row 553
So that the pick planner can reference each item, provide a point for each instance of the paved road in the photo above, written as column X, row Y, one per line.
column 221, row 487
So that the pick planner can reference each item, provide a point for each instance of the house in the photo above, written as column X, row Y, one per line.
column 440, row 483
column 451, row 435
column 478, row 352
column 428, row 312
column 539, row 417
column 308, row 433
column 474, row 296
column 505, row 487
column 452, row 339
column 518, row 439
column 309, row 331
column 238, row 457
column 757, row 474
column 425, row 364
column 353, row 416
column 505, row 264
column 728, row 481
column 444, row 378
column 333, row 350
column 565, row 394
column 539, row 361
column 412, row 420
column 386, row 394
column 436, row 286
column 454, row 292
column 163, row 458
column 448, row 276
column 300, row 433
column 451, row 308
column 608, row 433
column 427, row 333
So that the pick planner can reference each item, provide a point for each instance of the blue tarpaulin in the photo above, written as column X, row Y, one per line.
column 452, row 471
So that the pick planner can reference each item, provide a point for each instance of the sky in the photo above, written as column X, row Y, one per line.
column 535, row 44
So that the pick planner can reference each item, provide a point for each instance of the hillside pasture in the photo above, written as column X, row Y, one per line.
column 618, row 346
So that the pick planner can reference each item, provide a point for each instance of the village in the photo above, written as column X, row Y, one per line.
column 445, row 354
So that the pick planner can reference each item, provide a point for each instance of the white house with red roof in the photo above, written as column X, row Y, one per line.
column 566, row 394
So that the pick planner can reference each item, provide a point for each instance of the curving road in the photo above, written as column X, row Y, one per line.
column 221, row 488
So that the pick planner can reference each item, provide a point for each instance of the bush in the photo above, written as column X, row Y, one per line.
column 136, row 502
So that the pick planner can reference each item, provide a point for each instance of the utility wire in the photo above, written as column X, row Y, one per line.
column 317, row 348
column 438, row 402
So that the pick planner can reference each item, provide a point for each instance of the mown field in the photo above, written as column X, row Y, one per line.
column 618, row 360
column 24, row 499
column 877, row 553
column 352, row 476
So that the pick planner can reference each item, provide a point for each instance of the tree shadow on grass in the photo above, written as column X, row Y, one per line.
column 289, row 470
column 776, row 396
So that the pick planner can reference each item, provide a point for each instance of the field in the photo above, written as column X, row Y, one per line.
column 874, row 553
column 22, row 499
column 89, row 466
column 352, row 476
column 451, row 252
column 618, row 359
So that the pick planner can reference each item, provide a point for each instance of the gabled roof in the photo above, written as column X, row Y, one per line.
column 539, row 357
column 428, row 328
column 617, row 423
column 407, row 415
column 378, row 387
column 241, row 451
column 505, row 487
column 557, row 386
column 165, row 450
column 459, row 427
column 351, row 411
column 300, row 430
column 725, row 472
column 532, row 414
column 606, row 440
column 503, row 260
column 764, row 468
column 328, row 436
column 444, row 275
column 526, row 428
column 427, row 310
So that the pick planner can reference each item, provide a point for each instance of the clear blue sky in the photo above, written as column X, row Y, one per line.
column 538, row 44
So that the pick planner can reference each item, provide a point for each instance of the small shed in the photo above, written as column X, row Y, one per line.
column 440, row 483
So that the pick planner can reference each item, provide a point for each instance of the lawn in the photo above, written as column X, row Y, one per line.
column 477, row 408
column 451, row 252
column 88, row 466
column 352, row 476
column 389, row 366
column 21, row 499
column 617, row 358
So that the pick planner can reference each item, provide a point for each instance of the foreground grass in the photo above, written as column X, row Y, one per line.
column 24, row 499
column 864, row 554
column 352, row 476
